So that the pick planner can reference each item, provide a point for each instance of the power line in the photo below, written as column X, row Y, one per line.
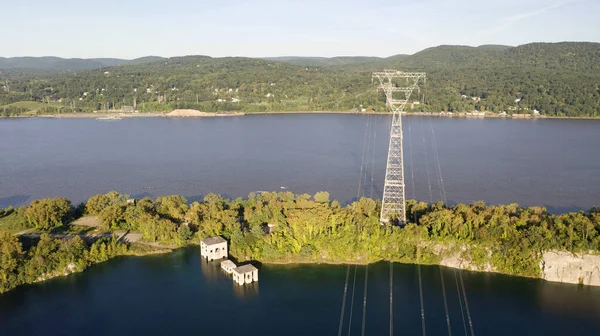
column 426, row 164
column 364, row 316
column 370, row 146
column 420, row 284
column 344, row 301
column 445, row 302
column 391, row 297
column 436, row 162
column 358, row 192
column 352, row 302
column 464, row 292
column 462, row 313
column 373, row 162
column 412, row 178
column 466, row 304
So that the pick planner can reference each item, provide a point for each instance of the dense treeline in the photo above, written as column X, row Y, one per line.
column 36, row 257
column 48, row 257
column 558, row 79
column 305, row 228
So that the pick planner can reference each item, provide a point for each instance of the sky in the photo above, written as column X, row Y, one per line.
column 265, row 28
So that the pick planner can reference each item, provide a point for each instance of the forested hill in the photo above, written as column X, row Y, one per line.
column 58, row 64
column 327, row 61
column 557, row 79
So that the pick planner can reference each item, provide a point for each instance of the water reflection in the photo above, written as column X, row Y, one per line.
column 246, row 291
column 570, row 300
column 212, row 270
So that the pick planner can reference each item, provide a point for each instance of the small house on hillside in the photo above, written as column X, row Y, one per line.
column 245, row 274
column 213, row 248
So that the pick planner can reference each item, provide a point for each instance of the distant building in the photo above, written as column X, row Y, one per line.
column 269, row 228
column 245, row 274
column 235, row 100
column 517, row 100
column 536, row 112
column 213, row 248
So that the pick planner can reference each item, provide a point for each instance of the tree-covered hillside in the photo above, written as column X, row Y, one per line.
column 57, row 64
column 325, row 61
column 557, row 79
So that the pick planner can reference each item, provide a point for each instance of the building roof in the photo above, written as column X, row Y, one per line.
column 245, row 269
column 213, row 240
column 228, row 262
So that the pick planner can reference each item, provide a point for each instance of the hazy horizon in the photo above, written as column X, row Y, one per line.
column 295, row 56
column 265, row 28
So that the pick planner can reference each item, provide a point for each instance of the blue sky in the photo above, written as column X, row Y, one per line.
column 130, row 29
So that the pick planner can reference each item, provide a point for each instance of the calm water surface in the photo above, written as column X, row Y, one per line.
column 554, row 163
column 179, row 294
column 533, row 162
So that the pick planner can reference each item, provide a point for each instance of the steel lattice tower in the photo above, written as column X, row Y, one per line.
column 393, row 203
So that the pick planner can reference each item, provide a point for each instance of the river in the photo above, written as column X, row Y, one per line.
column 553, row 163
column 533, row 162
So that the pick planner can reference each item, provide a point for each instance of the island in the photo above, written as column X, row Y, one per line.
column 51, row 237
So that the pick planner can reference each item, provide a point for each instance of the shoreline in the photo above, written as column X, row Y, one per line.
column 89, row 115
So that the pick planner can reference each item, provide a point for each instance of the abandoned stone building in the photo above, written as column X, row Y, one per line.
column 213, row 248
column 245, row 274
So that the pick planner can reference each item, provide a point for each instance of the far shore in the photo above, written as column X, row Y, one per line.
column 91, row 115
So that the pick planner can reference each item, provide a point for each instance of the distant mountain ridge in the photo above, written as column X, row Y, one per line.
column 58, row 64
column 556, row 79
column 324, row 61
column 68, row 64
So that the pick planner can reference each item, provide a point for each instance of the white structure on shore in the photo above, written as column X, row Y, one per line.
column 213, row 248
column 228, row 265
column 245, row 274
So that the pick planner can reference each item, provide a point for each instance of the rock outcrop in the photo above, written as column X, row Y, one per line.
column 571, row 268
column 556, row 266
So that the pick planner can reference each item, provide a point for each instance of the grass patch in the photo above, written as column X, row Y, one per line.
column 30, row 107
column 141, row 250
column 14, row 222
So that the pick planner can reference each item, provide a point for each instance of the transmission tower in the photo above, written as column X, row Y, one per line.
column 391, row 81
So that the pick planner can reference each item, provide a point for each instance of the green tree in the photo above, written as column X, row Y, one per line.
column 48, row 213
column 322, row 197
column 99, row 202
column 173, row 207
column 11, row 258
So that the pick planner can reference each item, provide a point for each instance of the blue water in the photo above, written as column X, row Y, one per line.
column 178, row 293
column 554, row 163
